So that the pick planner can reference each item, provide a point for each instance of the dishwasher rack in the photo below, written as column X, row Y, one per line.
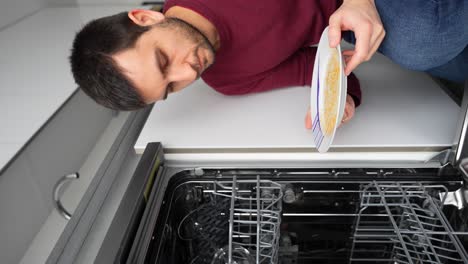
column 254, row 221
column 410, row 228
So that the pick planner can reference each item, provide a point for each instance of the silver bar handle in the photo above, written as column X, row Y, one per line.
column 56, row 193
column 461, row 137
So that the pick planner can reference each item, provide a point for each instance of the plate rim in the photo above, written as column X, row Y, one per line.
column 323, row 142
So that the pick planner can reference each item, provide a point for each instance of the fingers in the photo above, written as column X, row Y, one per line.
column 347, row 115
column 363, row 19
column 308, row 120
column 349, row 109
column 345, row 118
column 348, row 54
column 362, row 51
column 334, row 30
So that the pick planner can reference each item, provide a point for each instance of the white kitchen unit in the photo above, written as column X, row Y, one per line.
column 404, row 115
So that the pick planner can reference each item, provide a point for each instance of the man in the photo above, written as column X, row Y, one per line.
column 130, row 60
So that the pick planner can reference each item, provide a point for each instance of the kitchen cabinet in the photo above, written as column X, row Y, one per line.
column 61, row 147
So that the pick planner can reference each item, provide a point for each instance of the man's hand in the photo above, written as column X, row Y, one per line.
column 349, row 110
column 361, row 17
column 347, row 115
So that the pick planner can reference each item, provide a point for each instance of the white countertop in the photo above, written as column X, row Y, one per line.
column 35, row 77
column 400, row 109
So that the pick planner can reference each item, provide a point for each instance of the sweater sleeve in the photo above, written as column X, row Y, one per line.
column 295, row 71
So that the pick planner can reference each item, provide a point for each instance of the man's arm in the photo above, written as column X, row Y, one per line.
column 295, row 71
column 361, row 17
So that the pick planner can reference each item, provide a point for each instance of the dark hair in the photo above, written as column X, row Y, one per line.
column 94, row 69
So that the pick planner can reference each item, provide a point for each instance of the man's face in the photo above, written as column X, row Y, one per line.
column 165, row 59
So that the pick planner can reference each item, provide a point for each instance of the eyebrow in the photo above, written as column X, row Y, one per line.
column 158, row 66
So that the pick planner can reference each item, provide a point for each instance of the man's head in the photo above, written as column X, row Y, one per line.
column 129, row 60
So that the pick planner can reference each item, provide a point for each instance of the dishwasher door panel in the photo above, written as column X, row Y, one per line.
column 324, row 212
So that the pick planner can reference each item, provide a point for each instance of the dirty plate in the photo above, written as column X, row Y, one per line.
column 328, row 93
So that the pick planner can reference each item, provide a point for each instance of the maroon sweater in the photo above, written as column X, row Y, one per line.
column 264, row 44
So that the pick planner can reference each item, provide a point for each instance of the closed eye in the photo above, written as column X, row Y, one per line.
column 162, row 61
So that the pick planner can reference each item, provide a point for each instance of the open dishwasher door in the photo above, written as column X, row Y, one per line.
column 301, row 215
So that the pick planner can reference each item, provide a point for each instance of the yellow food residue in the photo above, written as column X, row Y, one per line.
column 328, row 115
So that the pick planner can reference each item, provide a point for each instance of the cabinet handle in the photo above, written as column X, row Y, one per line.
column 57, row 203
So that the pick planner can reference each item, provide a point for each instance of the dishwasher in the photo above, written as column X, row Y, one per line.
column 293, row 214
column 204, row 215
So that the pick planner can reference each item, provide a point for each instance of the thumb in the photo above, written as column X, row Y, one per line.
column 334, row 31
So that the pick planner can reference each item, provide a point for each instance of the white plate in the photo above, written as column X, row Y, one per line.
column 323, row 137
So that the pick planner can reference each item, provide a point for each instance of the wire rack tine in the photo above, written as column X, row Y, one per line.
column 254, row 219
column 392, row 220
column 414, row 228
column 231, row 217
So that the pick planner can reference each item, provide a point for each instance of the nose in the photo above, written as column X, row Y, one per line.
column 184, row 72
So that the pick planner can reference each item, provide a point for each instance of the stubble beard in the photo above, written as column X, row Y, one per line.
column 190, row 32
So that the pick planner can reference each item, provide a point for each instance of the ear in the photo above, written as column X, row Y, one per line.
column 144, row 17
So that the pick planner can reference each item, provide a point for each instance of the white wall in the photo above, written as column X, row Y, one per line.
column 106, row 2
column 95, row 2
column 13, row 10
column 62, row 2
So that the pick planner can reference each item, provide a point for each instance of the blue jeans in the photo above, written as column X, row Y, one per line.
column 426, row 35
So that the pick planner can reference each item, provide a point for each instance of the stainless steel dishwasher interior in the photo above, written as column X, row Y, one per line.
column 356, row 216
